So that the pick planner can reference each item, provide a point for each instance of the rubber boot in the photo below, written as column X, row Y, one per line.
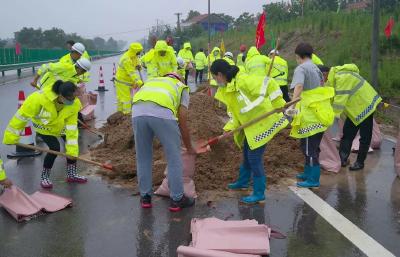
column 45, row 181
column 305, row 174
column 73, row 176
column 361, row 156
column 313, row 179
column 344, row 152
column 242, row 183
column 258, row 195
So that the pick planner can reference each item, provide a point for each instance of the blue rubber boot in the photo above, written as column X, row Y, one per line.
column 242, row 183
column 258, row 195
column 313, row 179
column 305, row 174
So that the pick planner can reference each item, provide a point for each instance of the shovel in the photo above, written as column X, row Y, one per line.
column 204, row 145
column 88, row 128
column 32, row 147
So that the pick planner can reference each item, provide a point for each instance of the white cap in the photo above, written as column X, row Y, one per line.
column 84, row 64
column 229, row 54
column 78, row 47
column 274, row 51
column 180, row 61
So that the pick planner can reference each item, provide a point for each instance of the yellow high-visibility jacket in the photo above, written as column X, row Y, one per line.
column 51, row 72
column 256, row 63
column 186, row 54
column 3, row 175
column 48, row 118
column 200, row 60
column 127, row 73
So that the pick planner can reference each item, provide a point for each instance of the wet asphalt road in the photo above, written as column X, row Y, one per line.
column 106, row 220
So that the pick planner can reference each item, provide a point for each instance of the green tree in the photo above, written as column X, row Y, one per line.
column 29, row 37
column 53, row 38
column 99, row 43
column 245, row 19
column 191, row 15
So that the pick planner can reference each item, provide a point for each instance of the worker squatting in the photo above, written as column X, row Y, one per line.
column 253, row 85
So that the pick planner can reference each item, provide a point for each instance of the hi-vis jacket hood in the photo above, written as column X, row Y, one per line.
column 252, row 52
column 161, row 45
column 216, row 49
column 187, row 45
column 134, row 48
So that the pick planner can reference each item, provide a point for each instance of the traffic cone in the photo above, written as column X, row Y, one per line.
column 101, row 87
column 114, row 70
column 26, row 137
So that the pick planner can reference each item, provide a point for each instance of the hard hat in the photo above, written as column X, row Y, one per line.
column 78, row 47
column 274, row 51
column 243, row 48
column 180, row 61
column 84, row 64
column 229, row 54
column 175, row 76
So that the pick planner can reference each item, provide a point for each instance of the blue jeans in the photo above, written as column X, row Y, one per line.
column 253, row 160
column 145, row 128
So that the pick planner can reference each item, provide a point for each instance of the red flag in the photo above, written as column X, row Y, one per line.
column 389, row 27
column 18, row 50
column 260, row 38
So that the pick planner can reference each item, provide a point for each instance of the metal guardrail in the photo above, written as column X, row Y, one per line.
column 20, row 66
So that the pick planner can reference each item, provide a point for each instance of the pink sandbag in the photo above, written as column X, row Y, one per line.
column 88, row 112
column 329, row 157
column 187, row 251
column 356, row 145
column 188, row 162
column 397, row 156
column 377, row 137
column 23, row 206
column 241, row 237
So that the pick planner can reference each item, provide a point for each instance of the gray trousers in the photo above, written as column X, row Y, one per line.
column 145, row 128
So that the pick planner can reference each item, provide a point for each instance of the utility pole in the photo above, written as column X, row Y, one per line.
column 209, row 41
column 178, row 24
column 375, row 43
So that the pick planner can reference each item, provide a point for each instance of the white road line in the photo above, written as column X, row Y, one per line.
column 359, row 238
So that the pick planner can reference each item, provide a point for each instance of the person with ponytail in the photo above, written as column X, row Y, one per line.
column 246, row 98
column 54, row 114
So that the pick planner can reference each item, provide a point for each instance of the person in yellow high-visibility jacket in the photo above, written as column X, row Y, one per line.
column 54, row 113
column 312, row 116
column 200, row 63
column 357, row 100
column 212, row 57
column 280, row 73
column 77, row 51
column 164, row 60
column 160, row 110
column 4, row 181
column 51, row 72
column 247, row 97
column 128, row 77
column 256, row 63
column 186, row 54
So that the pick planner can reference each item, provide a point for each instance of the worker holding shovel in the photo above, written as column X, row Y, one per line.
column 312, row 115
column 160, row 110
column 54, row 113
column 248, row 97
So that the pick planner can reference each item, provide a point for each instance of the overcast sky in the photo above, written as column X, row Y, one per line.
column 105, row 18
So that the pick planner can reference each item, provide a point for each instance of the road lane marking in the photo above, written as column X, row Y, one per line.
column 354, row 234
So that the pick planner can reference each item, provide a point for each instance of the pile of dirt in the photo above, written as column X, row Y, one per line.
column 213, row 169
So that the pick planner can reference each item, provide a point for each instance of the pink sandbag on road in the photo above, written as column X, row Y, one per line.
column 240, row 237
column 329, row 157
column 189, row 189
column 23, row 206
column 187, row 251
column 397, row 156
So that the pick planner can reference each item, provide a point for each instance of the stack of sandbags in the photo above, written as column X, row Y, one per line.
column 189, row 188
column 212, row 237
column 88, row 101
column 23, row 206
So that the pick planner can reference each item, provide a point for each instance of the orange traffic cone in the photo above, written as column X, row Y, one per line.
column 101, row 87
column 26, row 137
